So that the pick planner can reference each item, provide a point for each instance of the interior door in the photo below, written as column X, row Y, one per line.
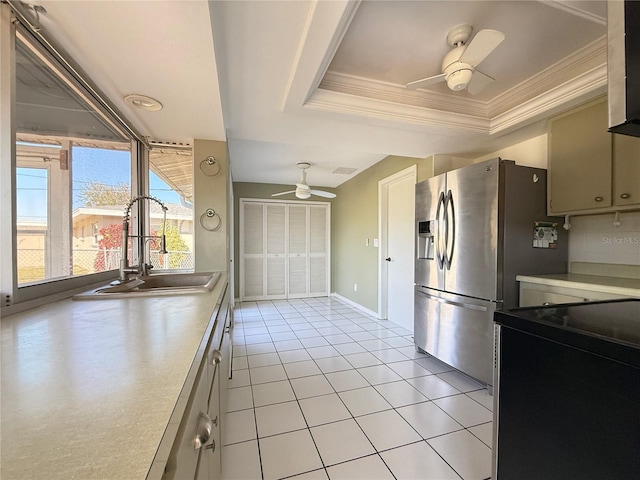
column 318, row 250
column 252, row 251
column 276, row 250
column 399, row 251
column 298, row 251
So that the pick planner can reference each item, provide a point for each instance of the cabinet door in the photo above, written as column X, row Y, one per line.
column 276, row 252
column 626, row 170
column 318, row 250
column 298, row 251
column 210, row 458
column 252, row 251
column 580, row 161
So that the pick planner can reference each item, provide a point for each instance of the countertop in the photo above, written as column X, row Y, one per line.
column 88, row 387
column 595, row 283
column 608, row 328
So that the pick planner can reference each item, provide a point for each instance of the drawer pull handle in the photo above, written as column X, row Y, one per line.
column 216, row 357
column 598, row 199
column 625, row 195
column 203, row 432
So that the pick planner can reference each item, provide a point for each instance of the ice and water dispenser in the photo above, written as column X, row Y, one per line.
column 425, row 240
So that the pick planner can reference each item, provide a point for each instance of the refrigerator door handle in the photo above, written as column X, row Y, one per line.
column 450, row 240
column 439, row 241
column 470, row 306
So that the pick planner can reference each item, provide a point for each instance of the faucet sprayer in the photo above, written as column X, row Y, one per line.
column 142, row 267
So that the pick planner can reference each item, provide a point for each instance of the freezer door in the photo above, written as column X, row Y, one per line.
column 456, row 330
column 429, row 206
column 471, row 219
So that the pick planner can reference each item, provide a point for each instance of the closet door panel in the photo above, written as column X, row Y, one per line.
column 298, row 251
column 252, row 249
column 276, row 251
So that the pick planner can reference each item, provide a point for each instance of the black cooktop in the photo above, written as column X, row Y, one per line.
column 600, row 327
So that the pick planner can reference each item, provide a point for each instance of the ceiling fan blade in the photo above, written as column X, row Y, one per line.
column 478, row 82
column 426, row 81
column 481, row 45
column 322, row 193
column 283, row 193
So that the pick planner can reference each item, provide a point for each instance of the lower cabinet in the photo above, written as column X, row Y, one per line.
column 196, row 451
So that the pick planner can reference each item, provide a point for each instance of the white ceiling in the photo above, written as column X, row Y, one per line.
column 323, row 82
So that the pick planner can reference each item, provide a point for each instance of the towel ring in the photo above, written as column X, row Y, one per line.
column 210, row 220
column 210, row 167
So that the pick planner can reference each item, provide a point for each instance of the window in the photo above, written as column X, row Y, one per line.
column 171, row 181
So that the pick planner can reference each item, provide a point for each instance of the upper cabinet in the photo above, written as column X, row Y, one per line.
column 590, row 169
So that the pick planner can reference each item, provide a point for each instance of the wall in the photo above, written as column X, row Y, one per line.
column 594, row 238
column 530, row 153
column 211, row 248
column 263, row 191
column 354, row 219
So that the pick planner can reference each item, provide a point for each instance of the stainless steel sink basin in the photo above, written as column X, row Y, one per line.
column 152, row 285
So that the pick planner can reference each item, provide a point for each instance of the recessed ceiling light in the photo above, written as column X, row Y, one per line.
column 143, row 102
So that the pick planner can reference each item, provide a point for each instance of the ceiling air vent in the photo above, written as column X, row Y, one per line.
column 344, row 170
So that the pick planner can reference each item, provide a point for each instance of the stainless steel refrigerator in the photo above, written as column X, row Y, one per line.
column 476, row 229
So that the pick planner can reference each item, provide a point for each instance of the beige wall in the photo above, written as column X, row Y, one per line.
column 211, row 248
column 354, row 219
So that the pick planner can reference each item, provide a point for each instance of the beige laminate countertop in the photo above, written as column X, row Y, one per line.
column 595, row 283
column 88, row 387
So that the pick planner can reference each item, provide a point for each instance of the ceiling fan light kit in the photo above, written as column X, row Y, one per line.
column 303, row 190
column 459, row 64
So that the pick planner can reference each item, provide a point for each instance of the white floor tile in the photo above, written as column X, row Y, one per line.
column 313, row 342
column 374, row 345
column 239, row 427
column 346, row 380
column 239, row 398
column 259, row 348
column 328, row 331
column 400, row 394
column 285, row 345
column 411, row 352
column 278, row 327
column 270, row 393
column 240, row 378
column 314, row 386
column 409, row 369
column 434, row 365
column 320, row 474
column 353, row 443
column 484, row 432
column 333, row 364
column 324, row 409
column 428, row 420
column 337, row 339
column 294, row 356
column 283, row 336
column 263, row 360
column 253, row 339
column 360, row 335
column 363, row 401
column 418, row 461
column 366, row 468
column 378, row 374
column 323, row 352
column 433, row 387
column 348, row 348
column 387, row 430
column 271, row 373
column 288, row 454
column 464, row 410
column 240, row 363
column 389, row 355
column 239, row 350
column 364, row 359
column 483, row 398
column 302, row 369
column 279, row 418
column 307, row 333
column 461, row 381
column 400, row 342
column 467, row 455
column 241, row 461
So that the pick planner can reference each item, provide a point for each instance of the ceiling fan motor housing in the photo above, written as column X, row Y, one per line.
column 457, row 74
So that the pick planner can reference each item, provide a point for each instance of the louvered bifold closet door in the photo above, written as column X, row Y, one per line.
column 318, row 250
column 276, row 254
column 298, row 251
column 253, row 285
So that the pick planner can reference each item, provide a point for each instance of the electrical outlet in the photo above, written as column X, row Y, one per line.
column 355, row 287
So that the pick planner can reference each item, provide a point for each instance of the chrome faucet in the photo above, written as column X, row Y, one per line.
column 142, row 268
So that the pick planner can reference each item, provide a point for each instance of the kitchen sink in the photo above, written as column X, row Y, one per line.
column 152, row 285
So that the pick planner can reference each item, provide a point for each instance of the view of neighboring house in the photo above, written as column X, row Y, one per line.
column 33, row 240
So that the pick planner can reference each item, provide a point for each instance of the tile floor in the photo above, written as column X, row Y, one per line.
column 322, row 391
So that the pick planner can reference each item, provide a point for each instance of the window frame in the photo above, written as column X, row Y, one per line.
column 15, row 27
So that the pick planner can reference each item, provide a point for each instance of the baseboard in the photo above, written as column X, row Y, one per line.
column 355, row 305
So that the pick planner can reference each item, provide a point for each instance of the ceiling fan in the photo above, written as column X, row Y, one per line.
column 459, row 65
column 303, row 190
